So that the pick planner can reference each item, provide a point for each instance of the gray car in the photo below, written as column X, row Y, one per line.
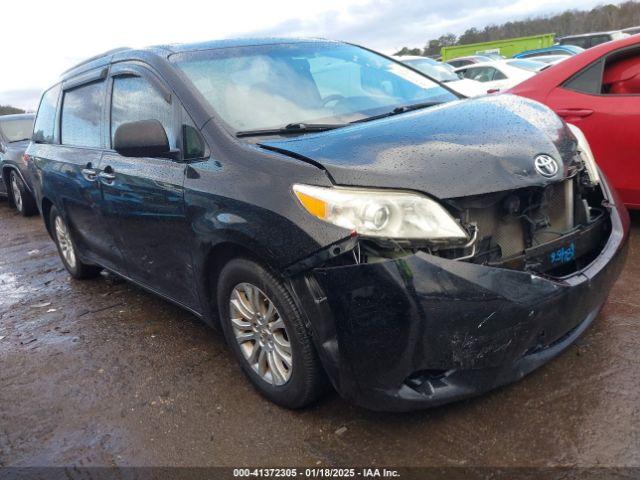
column 15, row 134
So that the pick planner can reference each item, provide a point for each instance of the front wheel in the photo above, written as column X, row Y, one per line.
column 22, row 199
column 67, row 248
column 267, row 335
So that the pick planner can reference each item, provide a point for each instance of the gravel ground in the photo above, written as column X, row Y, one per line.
column 101, row 373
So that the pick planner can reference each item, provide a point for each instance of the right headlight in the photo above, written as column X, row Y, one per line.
column 586, row 154
column 380, row 213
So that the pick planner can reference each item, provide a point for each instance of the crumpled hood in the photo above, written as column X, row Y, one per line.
column 462, row 148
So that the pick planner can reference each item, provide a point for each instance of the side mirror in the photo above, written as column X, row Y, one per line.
column 146, row 138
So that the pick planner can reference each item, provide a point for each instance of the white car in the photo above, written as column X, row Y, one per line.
column 500, row 75
column 444, row 73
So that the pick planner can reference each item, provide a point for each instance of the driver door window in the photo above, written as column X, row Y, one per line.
column 622, row 74
column 135, row 99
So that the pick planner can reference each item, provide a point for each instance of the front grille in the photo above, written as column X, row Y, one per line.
column 543, row 215
column 554, row 230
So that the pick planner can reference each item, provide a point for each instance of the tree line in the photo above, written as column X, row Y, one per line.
column 570, row 22
column 7, row 110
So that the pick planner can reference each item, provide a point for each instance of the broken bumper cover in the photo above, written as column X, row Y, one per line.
column 422, row 331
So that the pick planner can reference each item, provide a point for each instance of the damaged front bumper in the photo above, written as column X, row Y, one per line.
column 422, row 330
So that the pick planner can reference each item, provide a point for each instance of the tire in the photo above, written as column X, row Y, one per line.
column 67, row 248
column 22, row 200
column 295, row 387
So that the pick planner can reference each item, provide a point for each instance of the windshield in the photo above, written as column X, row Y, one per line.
column 440, row 72
column 271, row 86
column 16, row 129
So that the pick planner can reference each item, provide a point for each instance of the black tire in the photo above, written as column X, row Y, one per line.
column 307, row 379
column 25, row 204
column 76, row 269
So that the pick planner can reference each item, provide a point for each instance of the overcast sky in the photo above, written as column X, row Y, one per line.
column 40, row 39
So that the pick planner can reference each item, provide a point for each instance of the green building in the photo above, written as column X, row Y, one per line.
column 507, row 48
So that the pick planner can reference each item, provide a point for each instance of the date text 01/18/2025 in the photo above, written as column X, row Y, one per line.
column 318, row 472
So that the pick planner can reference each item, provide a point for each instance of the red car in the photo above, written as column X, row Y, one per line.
column 599, row 92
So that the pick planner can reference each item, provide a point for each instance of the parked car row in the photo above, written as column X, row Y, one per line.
column 591, row 88
column 15, row 134
column 490, row 73
column 500, row 75
column 341, row 216
column 444, row 73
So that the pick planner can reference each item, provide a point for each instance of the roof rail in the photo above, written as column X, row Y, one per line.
column 96, row 57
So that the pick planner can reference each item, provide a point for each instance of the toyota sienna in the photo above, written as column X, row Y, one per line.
column 339, row 215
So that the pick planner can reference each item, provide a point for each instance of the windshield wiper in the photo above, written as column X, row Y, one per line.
column 398, row 110
column 21, row 140
column 291, row 129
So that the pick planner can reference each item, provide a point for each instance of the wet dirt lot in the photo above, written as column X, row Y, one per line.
column 100, row 372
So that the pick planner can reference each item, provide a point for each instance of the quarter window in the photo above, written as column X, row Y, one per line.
column 44, row 128
column 588, row 80
column 193, row 145
column 82, row 110
column 135, row 99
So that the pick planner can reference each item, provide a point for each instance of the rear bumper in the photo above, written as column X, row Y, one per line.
column 421, row 331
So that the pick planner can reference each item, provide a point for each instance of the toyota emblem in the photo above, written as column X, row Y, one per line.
column 546, row 165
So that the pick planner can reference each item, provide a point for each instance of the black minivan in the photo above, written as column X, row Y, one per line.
column 340, row 215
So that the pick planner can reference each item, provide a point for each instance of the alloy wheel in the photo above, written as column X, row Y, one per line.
column 261, row 333
column 65, row 243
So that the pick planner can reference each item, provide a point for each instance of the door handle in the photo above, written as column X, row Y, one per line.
column 574, row 112
column 107, row 176
column 89, row 173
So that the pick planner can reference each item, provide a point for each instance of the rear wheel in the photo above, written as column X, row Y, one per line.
column 265, row 331
column 22, row 199
column 67, row 248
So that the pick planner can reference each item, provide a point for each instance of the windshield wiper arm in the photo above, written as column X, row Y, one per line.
column 398, row 110
column 21, row 140
column 291, row 129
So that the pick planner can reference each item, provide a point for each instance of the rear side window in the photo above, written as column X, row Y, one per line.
column 598, row 39
column 45, row 125
column 135, row 99
column 588, row 80
column 82, row 110
column 484, row 74
column 584, row 42
column 498, row 75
